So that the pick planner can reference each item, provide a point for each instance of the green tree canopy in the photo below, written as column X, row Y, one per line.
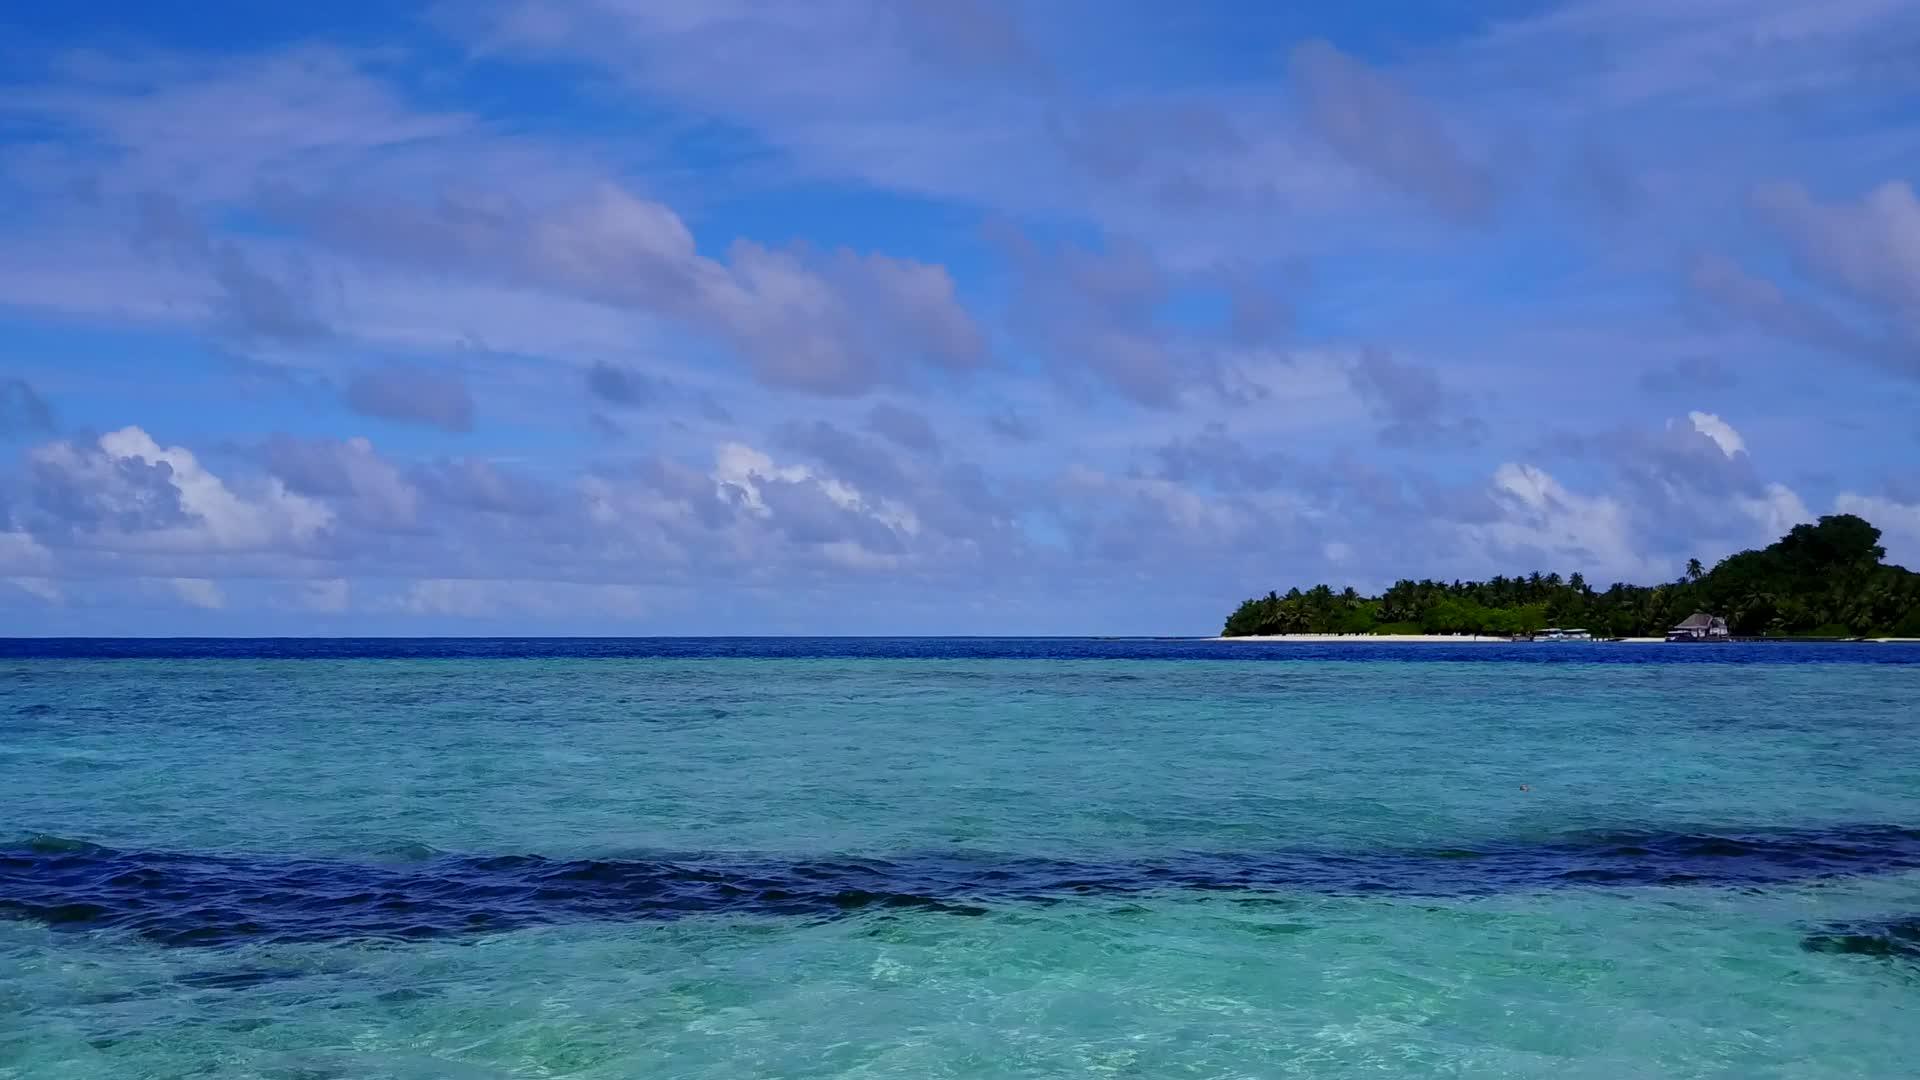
column 1825, row 577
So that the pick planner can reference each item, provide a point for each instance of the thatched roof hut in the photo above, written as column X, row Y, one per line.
column 1699, row 625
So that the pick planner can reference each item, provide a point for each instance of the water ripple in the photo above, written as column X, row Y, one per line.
column 1893, row 937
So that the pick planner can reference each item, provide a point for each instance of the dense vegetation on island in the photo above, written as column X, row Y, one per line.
column 1821, row 580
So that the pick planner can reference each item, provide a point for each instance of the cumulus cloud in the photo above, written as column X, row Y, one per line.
column 350, row 474
column 1691, row 486
column 475, row 484
column 127, row 492
column 1138, row 519
column 1384, row 130
column 858, row 459
column 1777, row 509
column 1540, row 518
column 832, row 503
column 1722, row 433
column 412, row 395
column 933, row 507
column 749, row 518
column 817, row 506
column 1898, row 521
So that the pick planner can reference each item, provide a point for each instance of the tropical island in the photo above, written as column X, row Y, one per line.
column 1827, row 579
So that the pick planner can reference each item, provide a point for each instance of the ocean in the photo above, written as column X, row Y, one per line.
column 957, row 858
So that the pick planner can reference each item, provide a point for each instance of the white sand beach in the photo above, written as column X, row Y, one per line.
column 1366, row 639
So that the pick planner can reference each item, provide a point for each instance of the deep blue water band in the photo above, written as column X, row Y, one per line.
column 946, row 649
column 206, row 900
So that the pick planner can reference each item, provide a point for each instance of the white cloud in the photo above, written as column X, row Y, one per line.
column 220, row 127
column 466, row 599
column 833, row 322
column 1777, row 511
column 1127, row 512
column 1637, row 53
column 199, row 592
column 1871, row 248
column 129, row 492
column 836, row 324
column 1722, row 433
column 1899, row 523
column 742, row 469
column 21, row 553
column 23, row 563
column 325, row 596
column 376, row 480
column 1389, row 133
column 42, row 588
column 368, row 487
column 1540, row 515
column 851, row 555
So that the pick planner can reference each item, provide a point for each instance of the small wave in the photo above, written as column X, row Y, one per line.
column 49, row 844
column 242, row 979
column 1896, row 937
column 406, row 851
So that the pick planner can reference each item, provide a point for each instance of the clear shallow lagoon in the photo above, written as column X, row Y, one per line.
column 955, row 858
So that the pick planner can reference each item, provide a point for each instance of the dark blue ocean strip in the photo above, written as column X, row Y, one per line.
column 211, row 900
column 942, row 649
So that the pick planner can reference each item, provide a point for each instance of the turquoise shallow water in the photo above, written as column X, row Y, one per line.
column 773, row 758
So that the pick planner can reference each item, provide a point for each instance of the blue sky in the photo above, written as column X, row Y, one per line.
column 637, row 317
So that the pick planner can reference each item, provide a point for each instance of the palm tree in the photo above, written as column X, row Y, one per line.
column 1694, row 569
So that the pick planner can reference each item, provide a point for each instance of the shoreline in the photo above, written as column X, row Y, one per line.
column 1368, row 639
